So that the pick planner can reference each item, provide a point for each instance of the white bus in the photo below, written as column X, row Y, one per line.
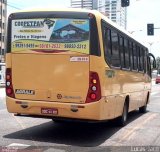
column 2, row 74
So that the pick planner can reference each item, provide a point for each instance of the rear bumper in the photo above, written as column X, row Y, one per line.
column 89, row 111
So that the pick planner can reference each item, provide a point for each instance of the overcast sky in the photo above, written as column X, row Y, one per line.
column 140, row 12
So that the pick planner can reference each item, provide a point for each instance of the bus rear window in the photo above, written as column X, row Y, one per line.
column 49, row 34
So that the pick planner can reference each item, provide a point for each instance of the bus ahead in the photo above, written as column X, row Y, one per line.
column 74, row 65
column 2, row 74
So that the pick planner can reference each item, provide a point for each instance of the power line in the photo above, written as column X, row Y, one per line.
column 12, row 6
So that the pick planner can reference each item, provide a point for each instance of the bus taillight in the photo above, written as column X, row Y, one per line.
column 9, row 87
column 94, row 91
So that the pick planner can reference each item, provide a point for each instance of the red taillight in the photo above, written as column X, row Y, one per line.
column 9, row 87
column 93, row 96
column 94, row 91
column 9, row 91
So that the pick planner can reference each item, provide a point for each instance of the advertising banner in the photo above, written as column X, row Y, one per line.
column 49, row 35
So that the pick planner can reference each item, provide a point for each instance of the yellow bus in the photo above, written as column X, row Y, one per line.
column 74, row 65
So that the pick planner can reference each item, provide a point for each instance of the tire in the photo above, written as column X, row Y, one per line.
column 57, row 121
column 122, row 120
column 144, row 108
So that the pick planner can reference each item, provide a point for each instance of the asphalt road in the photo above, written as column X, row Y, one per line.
column 44, row 135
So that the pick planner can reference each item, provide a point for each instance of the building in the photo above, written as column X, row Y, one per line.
column 3, row 16
column 88, row 4
column 113, row 10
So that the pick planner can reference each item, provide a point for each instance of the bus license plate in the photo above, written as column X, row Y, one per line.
column 49, row 111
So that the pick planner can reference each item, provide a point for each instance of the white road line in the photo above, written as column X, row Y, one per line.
column 156, row 96
column 23, row 127
column 18, row 146
column 54, row 150
column 153, row 93
column 134, row 129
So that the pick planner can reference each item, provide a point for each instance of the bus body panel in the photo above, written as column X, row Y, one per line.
column 52, row 77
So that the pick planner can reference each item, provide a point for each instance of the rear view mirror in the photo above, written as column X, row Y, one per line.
column 154, row 60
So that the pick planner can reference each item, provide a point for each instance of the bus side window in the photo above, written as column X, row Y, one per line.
column 115, row 49
column 121, row 47
column 142, row 59
column 126, row 51
column 138, row 56
column 145, row 61
column 135, row 64
column 131, row 54
column 107, row 44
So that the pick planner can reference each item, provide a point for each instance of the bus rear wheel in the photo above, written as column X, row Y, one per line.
column 122, row 120
column 144, row 108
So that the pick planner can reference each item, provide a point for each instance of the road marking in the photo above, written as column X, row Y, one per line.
column 153, row 93
column 3, row 110
column 156, row 96
column 15, row 147
column 131, row 132
column 23, row 127
column 20, row 123
column 55, row 150
column 18, row 145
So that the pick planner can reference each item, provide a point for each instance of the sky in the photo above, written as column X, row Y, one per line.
column 139, row 13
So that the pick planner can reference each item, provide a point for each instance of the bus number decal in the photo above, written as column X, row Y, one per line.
column 79, row 59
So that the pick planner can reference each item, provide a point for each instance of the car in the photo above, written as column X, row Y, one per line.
column 157, row 79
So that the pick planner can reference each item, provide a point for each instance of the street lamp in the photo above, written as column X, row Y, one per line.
column 131, row 32
column 151, row 44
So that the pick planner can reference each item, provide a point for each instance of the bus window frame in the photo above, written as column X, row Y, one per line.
column 104, row 24
column 145, row 59
column 142, row 51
